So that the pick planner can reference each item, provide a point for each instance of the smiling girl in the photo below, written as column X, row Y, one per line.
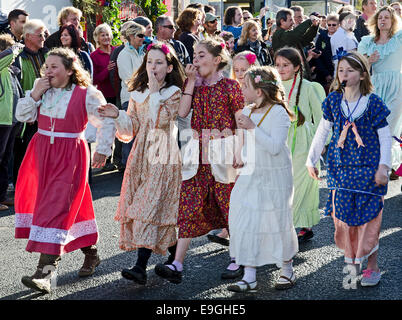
column 149, row 198
column 358, row 159
column 53, row 202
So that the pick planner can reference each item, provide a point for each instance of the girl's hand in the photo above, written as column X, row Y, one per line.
column 109, row 110
column 237, row 161
column 374, row 57
column 98, row 160
column 111, row 65
column 153, row 84
column 41, row 87
column 245, row 122
column 191, row 72
column 313, row 173
column 381, row 176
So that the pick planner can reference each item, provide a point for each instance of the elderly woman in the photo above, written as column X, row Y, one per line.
column 383, row 49
column 189, row 22
column 251, row 40
column 128, row 62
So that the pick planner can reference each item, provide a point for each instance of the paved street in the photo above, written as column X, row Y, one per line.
column 318, row 265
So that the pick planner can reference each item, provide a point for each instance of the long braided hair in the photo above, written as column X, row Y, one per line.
column 295, row 58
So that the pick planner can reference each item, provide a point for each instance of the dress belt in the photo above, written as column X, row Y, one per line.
column 80, row 135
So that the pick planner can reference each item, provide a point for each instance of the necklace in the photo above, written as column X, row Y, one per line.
column 350, row 113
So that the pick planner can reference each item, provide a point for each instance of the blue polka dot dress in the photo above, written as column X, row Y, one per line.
column 351, row 169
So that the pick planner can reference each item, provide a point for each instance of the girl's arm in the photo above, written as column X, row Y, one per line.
column 187, row 95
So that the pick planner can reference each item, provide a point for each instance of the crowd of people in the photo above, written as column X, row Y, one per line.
column 276, row 95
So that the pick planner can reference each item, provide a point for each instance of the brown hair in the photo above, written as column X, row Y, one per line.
column 270, row 85
column 186, row 19
column 372, row 23
column 293, row 55
column 71, row 61
column 217, row 49
column 353, row 58
column 139, row 80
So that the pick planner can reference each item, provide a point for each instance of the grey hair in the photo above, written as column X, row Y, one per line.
column 161, row 20
column 32, row 25
column 134, row 29
column 104, row 27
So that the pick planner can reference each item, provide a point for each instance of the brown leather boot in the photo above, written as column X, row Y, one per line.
column 44, row 277
column 91, row 261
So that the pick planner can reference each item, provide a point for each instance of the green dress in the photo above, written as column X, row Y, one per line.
column 306, row 197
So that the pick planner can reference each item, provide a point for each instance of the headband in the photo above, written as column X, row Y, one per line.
column 164, row 48
column 258, row 79
column 340, row 53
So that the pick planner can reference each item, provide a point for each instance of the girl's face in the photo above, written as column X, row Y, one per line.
column 104, row 39
column 347, row 73
column 285, row 68
column 250, row 94
column 253, row 34
column 384, row 21
column 65, row 39
column 157, row 65
column 55, row 71
column 230, row 44
column 240, row 66
column 205, row 62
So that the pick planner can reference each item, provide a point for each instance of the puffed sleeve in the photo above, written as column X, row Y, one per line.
column 379, row 112
column 366, row 45
column 127, row 123
column 27, row 108
column 106, row 128
column 327, row 106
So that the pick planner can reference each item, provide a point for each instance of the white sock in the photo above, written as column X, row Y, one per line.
column 287, row 269
column 178, row 265
column 250, row 274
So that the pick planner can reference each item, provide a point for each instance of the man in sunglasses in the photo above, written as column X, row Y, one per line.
column 165, row 29
column 210, row 25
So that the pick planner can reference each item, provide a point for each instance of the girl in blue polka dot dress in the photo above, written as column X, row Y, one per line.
column 359, row 158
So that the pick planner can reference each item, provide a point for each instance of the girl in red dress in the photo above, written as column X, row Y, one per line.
column 53, row 201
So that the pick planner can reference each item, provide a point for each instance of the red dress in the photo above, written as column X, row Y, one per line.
column 53, row 201
column 204, row 202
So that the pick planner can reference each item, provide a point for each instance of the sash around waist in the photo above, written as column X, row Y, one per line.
column 72, row 135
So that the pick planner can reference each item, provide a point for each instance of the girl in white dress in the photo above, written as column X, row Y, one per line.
column 260, row 214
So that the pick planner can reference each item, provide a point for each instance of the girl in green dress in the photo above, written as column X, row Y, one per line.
column 305, row 99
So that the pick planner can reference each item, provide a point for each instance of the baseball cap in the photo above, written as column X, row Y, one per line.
column 210, row 17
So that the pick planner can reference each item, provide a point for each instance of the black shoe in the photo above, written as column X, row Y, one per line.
column 165, row 272
column 109, row 167
column 233, row 274
column 307, row 235
column 136, row 274
column 215, row 238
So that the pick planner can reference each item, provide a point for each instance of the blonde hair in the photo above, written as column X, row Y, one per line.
column 72, row 62
column 104, row 27
column 358, row 62
column 6, row 41
column 134, row 29
column 65, row 12
column 31, row 26
column 372, row 23
column 243, row 56
column 246, row 29
column 268, row 80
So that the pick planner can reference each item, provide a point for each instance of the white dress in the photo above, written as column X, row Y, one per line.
column 260, row 212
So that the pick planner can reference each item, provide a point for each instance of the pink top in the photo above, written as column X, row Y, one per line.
column 100, row 60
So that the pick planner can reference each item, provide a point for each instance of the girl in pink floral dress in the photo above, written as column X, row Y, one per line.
column 206, row 188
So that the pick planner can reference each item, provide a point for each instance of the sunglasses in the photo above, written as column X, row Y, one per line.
column 140, row 35
column 213, row 21
column 331, row 25
column 171, row 27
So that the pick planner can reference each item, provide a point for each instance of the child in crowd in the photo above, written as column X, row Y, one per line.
column 305, row 99
column 260, row 211
column 359, row 157
column 206, row 186
column 53, row 202
column 149, row 198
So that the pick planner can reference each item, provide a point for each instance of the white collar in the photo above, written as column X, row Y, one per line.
column 165, row 93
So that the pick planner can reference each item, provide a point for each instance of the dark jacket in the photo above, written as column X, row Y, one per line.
column 324, row 65
column 361, row 29
column 261, row 50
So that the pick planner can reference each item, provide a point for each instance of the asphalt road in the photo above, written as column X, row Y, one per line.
column 318, row 265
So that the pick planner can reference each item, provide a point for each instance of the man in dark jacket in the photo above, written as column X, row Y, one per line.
column 298, row 38
column 369, row 9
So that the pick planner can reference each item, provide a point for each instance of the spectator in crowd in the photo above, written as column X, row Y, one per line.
column 210, row 25
column 144, row 21
column 232, row 20
column 9, row 126
column 66, row 15
column 369, row 9
column 397, row 7
column 344, row 39
column 324, row 66
column 165, row 29
column 128, row 62
column 189, row 22
column 298, row 38
column 210, row 9
column 383, row 48
column 30, row 62
column 16, row 19
column 298, row 14
column 247, row 15
column 229, row 42
column 323, row 23
column 251, row 40
column 70, row 38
